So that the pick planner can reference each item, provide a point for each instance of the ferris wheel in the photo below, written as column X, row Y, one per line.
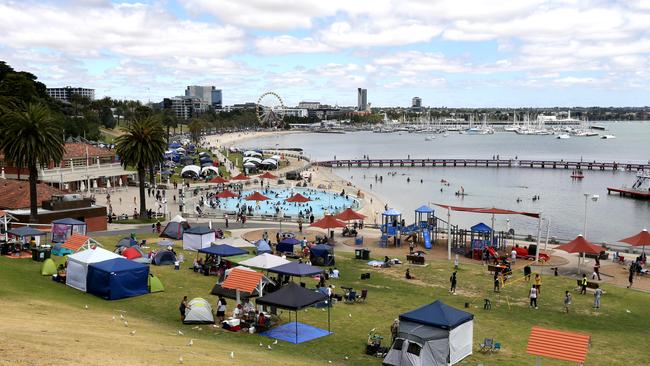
column 270, row 109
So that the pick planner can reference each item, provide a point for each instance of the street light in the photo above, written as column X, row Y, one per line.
column 594, row 197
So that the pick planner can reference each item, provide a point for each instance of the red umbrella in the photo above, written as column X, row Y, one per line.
column 256, row 196
column 241, row 176
column 639, row 240
column 298, row 198
column 580, row 245
column 218, row 180
column 328, row 222
column 267, row 175
column 349, row 215
column 227, row 194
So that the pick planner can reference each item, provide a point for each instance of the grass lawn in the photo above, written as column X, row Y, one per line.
column 619, row 337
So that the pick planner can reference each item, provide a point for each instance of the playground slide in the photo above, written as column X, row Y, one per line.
column 427, row 239
column 493, row 253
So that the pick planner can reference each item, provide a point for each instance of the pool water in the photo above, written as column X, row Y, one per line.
column 321, row 202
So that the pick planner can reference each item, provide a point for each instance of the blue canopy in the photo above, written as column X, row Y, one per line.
column 68, row 221
column 286, row 245
column 223, row 250
column 437, row 314
column 424, row 209
column 296, row 269
column 322, row 255
column 166, row 172
column 26, row 231
column 391, row 212
column 481, row 228
column 290, row 241
column 198, row 230
column 262, row 246
column 117, row 278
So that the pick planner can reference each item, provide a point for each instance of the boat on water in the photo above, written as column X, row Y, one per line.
column 430, row 138
column 577, row 174
column 598, row 127
column 607, row 137
column 563, row 136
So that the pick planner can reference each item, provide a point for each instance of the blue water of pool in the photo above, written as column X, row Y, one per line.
column 321, row 201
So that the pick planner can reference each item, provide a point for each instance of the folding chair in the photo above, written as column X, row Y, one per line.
column 487, row 345
column 364, row 294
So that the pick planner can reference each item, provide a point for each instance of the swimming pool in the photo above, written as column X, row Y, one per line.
column 321, row 201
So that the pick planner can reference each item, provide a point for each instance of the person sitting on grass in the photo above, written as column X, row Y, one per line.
column 408, row 275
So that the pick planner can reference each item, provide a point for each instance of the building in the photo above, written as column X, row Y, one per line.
column 63, row 94
column 362, row 99
column 248, row 106
column 416, row 102
column 292, row 112
column 208, row 94
column 185, row 107
column 309, row 105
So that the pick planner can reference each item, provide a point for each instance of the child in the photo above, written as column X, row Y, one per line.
column 453, row 281
column 533, row 297
column 567, row 301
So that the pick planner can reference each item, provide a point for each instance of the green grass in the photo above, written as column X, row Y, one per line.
column 618, row 337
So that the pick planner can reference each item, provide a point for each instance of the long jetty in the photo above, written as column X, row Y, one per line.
column 489, row 163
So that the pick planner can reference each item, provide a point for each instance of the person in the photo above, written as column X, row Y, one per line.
column 394, row 330
column 454, row 281
column 408, row 275
column 225, row 218
column 513, row 256
column 597, row 294
column 237, row 312
column 596, row 269
column 221, row 309
column 567, row 301
column 183, row 306
column 497, row 282
column 248, row 307
column 527, row 273
column 630, row 278
column 533, row 296
column 411, row 246
column 335, row 273
column 300, row 225
column 456, row 262
column 583, row 285
column 538, row 283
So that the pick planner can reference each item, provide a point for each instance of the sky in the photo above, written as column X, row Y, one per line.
column 454, row 53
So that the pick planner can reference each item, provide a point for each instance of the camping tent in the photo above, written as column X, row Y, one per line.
column 191, row 171
column 126, row 242
column 64, row 228
column 118, row 278
column 48, row 268
column 434, row 334
column 264, row 261
column 198, row 237
column 199, row 312
column 132, row 252
column 262, row 246
column 286, row 245
column 322, row 255
column 175, row 228
column 78, row 263
column 164, row 257
column 155, row 285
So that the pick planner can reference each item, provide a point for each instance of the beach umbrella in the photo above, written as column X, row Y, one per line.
column 218, row 180
column 580, row 245
column 639, row 240
column 349, row 215
column 256, row 196
column 267, row 175
column 328, row 222
column 241, row 176
column 227, row 194
column 298, row 198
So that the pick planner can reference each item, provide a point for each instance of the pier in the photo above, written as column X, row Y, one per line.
column 627, row 192
column 486, row 163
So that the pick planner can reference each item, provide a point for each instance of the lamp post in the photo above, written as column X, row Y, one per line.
column 594, row 198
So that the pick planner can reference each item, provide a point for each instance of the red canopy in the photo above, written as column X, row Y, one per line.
column 348, row 215
column 580, row 245
column 241, row 176
column 218, row 180
column 488, row 210
column 256, row 196
column 298, row 198
column 639, row 240
column 227, row 194
column 328, row 222
column 267, row 175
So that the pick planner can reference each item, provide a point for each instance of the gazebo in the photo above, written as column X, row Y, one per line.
column 26, row 232
column 64, row 228
column 391, row 225
column 243, row 280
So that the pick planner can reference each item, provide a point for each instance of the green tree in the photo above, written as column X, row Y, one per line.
column 195, row 127
column 106, row 117
column 30, row 137
column 169, row 120
column 142, row 145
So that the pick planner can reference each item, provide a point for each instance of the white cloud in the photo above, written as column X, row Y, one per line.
column 286, row 44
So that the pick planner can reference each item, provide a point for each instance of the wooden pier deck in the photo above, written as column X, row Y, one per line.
column 628, row 192
column 489, row 163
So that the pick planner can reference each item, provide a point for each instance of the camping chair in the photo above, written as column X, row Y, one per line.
column 487, row 345
column 364, row 294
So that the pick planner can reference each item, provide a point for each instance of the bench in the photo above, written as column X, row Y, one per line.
column 591, row 285
column 415, row 259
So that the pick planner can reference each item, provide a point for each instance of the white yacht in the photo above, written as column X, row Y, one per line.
column 607, row 137
column 563, row 136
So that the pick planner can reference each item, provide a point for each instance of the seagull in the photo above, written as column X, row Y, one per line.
column 627, row 311
column 330, row 361
column 126, row 324
column 180, row 333
column 200, row 328
column 350, row 315
column 269, row 347
column 86, row 306
column 190, row 343
column 121, row 316
column 372, row 330
column 180, row 359
column 133, row 332
column 261, row 345
column 347, row 358
column 275, row 341
column 113, row 317
column 232, row 354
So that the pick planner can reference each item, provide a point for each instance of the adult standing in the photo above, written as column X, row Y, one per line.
column 183, row 306
column 538, row 283
column 533, row 296
column 567, row 301
column 394, row 330
column 513, row 256
column 596, row 269
column 221, row 308
column 630, row 278
column 454, row 281
column 583, row 285
column 597, row 294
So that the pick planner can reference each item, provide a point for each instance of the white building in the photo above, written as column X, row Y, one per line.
column 362, row 99
column 208, row 95
column 309, row 105
column 63, row 94
column 185, row 107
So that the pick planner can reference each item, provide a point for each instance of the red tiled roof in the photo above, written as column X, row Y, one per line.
column 558, row 344
column 78, row 150
column 75, row 242
column 15, row 193
column 242, row 280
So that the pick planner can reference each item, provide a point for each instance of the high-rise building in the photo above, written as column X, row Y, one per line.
column 63, row 94
column 416, row 102
column 208, row 95
column 309, row 105
column 362, row 99
column 185, row 107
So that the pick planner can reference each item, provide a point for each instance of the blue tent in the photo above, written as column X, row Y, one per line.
column 26, row 231
column 322, row 255
column 223, row 250
column 481, row 228
column 174, row 145
column 286, row 245
column 424, row 209
column 199, row 230
column 437, row 314
column 262, row 246
column 296, row 269
column 117, row 278
column 68, row 221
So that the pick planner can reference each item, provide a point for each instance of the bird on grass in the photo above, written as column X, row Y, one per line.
column 232, row 354
column 180, row 332
column 180, row 359
column 350, row 315
column 113, row 317
column 86, row 307
column 121, row 316
column 347, row 358
column 190, row 343
column 275, row 341
column 261, row 345
column 269, row 347
column 133, row 332
column 126, row 324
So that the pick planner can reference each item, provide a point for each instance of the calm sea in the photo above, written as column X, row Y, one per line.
column 561, row 198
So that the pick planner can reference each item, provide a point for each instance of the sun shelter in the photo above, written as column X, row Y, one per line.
column 175, row 228
column 218, row 180
column 198, row 237
column 64, row 228
column 264, row 261
column 295, row 269
column 286, row 245
column 243, row 280
column 294, row 298
column 267, row 175
column 154, row 284
column 256, row 196
column 223, row 250
column 433, row 335
column 25, row 233
column 75, row 243
column 322, row 255
column 163, row 258
column 78, row 263
column 117, row 279
column 236, row 242
column 240, row 176
column 641, row 239
column 329, row 222
column 560, row 345
column 199, row 311
column 350, row 215
column 299, row 198
column 217, row 290
column 262, row 246
column 190, row 171
column 581, row 245
column 227, row 194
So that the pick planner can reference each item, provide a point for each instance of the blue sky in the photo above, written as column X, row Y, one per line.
column 476, row 53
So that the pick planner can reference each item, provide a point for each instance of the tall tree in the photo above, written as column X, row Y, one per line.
column 142, row 145
column 195, row 127
column 30, row 137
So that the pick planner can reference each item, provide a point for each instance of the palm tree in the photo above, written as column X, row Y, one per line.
column 142, row 145
column 195, row 127
column 30, row 137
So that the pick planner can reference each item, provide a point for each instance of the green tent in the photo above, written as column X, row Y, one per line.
column 154, row 284
column 48, row 268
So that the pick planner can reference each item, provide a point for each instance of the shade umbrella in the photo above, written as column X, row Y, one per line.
column 639, row 240
column 580, row 245
column 328, row 222
column 298, row 198
column 267, row 175
column 227, row 194
column 256, row 196
column 349, row 215
column 218, row 180
column 241, row 176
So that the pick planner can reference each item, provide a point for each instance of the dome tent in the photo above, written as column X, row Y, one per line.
column 262, row 246
column 175, row 228
column 154, row 284
column 199, row 312
column 164, row 257
column 48, row 268
column 322, row 255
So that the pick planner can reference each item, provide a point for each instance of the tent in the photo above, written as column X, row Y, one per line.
column 164, row 257
column 236, row 242
column 118, row 278
column 175, row 228
column 262, row 246
column 78, row 263
column 132, row 252
column 48, row 268
column 432, row 335
column 26, row 232
column 199, row 312
column 64, row 228
column 286, row 245
column 296, row 269
column 264, row 261
column 126, row 242
column 223, row 250
column 191, row 171
column 198, row 237
column 154, row 284
column 322, row 255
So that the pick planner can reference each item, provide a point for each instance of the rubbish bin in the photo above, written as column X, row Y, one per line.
column 365, row 254
column 358, row 253
column 34, row 254
column 48, row 253
column 358, row 240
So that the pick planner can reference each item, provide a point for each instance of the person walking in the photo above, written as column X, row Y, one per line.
column 183, row 306
column 567, row 301
column 596, row 270
column 533, row 296
column 394, row 330
column 630, row 278
column 583, row 285
column 225, row 219
column 597, row 294
column 454, row 281
column 538, row 283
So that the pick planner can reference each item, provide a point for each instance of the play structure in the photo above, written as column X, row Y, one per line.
column 391, row 225
column 422, row 230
